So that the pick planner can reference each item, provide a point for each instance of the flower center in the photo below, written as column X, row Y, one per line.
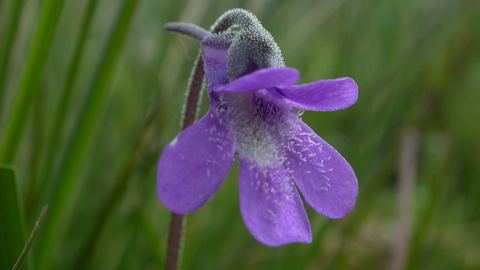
column 257, row 120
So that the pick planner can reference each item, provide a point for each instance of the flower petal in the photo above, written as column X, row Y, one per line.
column 261, row 79
column 193, row 166
column 324, row 177
column 271, row 207
column 215, row 64
column 327, row 95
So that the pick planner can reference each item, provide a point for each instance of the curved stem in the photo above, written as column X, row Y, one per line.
column 187, row 29
column 194, row 94
column 175, row 240
column 177, row 223
column 233, row 17
column 35, row 230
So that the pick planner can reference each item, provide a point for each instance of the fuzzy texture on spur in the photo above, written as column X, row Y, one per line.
column 252, row 96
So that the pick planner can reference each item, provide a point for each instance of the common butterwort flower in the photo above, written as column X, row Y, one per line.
column 252, row 95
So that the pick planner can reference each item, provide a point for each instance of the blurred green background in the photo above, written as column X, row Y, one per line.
column 91, row 92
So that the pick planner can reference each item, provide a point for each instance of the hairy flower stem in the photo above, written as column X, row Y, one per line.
column 190, row 112
column 175, row 239
column 194, row 94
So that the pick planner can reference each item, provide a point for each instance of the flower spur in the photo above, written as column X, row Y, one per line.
column 252, row 95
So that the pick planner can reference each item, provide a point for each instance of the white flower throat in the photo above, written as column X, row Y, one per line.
column 257, row 120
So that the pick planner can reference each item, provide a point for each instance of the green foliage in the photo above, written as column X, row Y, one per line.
column 91, row 91
column 11, row 234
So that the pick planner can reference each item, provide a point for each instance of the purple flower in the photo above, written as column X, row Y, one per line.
column 252, row 96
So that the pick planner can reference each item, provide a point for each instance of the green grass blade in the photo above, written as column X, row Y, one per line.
column 11, row 236
column 83, row 132
column 9, row 40
column 35, row 230
column 30, row 81
column 144, row 144
column 63, row 104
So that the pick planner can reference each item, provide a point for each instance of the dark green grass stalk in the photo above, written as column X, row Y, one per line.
column 427, row 222
column 36, row 151
column 290, row 261
column 64, row 101
column 11, row 222
column 150, row 232
column 83, row 133
column 8, row 46
column 30, row 81
column 140, row 156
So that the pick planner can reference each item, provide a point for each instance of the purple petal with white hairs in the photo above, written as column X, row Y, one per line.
column 271, row 207
column 262, row 79
column 193, row 166
column 326, row 95
column 323, row 176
